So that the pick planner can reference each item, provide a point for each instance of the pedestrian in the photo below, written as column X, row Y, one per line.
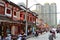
column 0, row 37
column 8, row 37
column 23, row 36
column 36, row 34
column 52, row 35
column 19, row 37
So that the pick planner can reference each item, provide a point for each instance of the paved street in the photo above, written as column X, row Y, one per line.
column 44, row 37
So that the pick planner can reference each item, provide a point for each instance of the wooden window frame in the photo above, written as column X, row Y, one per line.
column 14, row 13
column 8, row 10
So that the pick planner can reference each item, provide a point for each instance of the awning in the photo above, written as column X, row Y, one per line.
column 7, row 19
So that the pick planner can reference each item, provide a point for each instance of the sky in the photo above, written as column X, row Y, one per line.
column 32, row 2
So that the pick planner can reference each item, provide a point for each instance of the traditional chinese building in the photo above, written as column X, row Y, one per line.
column 12, row 18
column 8, row 17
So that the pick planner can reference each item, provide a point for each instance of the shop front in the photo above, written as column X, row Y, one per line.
column 30, row 28
column 5, row 29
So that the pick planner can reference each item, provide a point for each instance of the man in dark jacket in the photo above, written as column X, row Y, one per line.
column 52, row 35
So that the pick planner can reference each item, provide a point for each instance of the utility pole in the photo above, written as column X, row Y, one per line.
column 26, row 17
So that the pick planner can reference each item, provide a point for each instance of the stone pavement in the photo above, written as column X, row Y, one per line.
column 44, row 37
column 31, row 36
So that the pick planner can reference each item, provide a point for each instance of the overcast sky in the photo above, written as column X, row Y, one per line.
column 32, row 2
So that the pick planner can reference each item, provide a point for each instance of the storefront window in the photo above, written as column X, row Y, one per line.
column 8, row 31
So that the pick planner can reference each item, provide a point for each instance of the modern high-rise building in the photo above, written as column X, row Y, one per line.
column 39, row 10
column 53, row 13
column 48, row 12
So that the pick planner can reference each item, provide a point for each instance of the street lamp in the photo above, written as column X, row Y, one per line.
column 33, row 5
column 26, row 17
column 26, row 14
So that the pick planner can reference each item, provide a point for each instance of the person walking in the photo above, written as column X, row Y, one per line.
column 36, row 34
column 0, row 37
column 21, row 36
column 8, row 37
column 52, row 35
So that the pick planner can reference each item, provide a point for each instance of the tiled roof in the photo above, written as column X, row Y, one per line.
column 21, row 7
column 11, row 3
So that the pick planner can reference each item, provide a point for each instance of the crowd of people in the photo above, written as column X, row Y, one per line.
column 22, row 35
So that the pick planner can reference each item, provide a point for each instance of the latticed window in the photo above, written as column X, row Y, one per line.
column 8, row 11
column 30, row 18
column 21, row 15
column 34, row 19
column 14, row 13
